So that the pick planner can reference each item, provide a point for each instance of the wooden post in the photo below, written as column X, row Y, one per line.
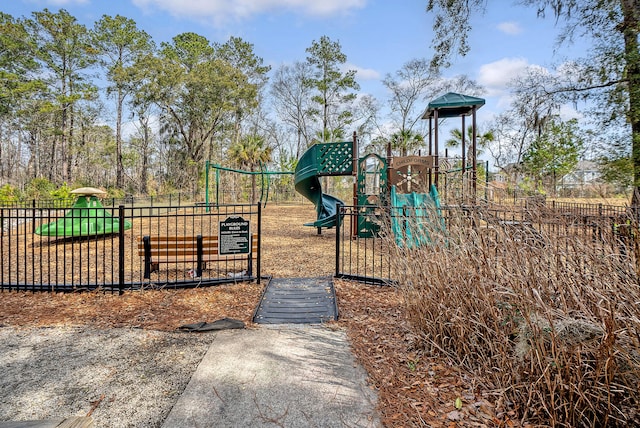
column 435, row 149
column 464, row 159
column 430, row 152
column 389, row 170
column 474, row 171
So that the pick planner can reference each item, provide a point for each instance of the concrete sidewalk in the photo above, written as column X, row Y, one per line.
column 286, row 375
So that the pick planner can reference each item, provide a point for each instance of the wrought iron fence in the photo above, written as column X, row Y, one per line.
column 368, row 238
column 591, row 210
column 362, row 251
column 79, row 256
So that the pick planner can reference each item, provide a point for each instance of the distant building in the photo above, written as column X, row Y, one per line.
column 586, row 174
column 508, row 174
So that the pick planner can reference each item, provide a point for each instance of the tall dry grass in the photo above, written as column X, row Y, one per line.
column 547, row 323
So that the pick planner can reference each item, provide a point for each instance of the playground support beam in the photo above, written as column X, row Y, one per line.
column 464, row 157
column 474, row 171
column 436, row 161
column 354, row 224
column 430, row 150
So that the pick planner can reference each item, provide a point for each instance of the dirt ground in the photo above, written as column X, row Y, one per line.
column 413, row 389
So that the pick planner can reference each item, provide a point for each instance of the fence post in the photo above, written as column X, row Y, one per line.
column 339, row 208
column 199, row 252
column 146, row 242
column 33, row 217
column 259, row 255
column 121, row 249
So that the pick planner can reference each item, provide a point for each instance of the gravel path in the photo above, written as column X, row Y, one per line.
column 123, row 377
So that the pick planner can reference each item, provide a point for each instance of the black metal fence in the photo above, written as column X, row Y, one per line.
column 87, row 259
column 362, row 252
column 599, row 210
column 369, row 238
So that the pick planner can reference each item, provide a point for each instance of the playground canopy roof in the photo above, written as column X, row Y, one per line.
column 452, row 105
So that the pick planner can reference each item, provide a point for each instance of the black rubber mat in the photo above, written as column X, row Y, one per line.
column 297, row 301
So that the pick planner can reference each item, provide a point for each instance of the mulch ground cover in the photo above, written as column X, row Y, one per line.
column 414, row 389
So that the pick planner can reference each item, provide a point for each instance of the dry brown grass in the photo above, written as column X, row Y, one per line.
column 548, row 326
column 621, row 201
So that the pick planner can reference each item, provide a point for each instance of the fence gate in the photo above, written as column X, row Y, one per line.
column 362, row 257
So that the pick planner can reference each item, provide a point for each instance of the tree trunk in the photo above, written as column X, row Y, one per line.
column 632, row 58
column 144, row 173
column 119, row 167
column 69, row 158
column 63, row 143
column 1, row 155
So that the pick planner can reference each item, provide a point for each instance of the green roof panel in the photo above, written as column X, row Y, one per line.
column 453, row 105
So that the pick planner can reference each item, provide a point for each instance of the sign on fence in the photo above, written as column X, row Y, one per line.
column 234, row 236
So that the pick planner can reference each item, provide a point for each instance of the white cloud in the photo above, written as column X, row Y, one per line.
column 568, row 112
column 510, row 27
column 220, row 10
column 496, row 75
column 363, row 73
column 62, row 3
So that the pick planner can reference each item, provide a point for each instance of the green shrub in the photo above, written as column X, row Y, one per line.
column 39, row 188
column 61, row 193
column 9, row 194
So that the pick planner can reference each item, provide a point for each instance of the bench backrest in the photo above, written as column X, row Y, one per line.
column 184, row 246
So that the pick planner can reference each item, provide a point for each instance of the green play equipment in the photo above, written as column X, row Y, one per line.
column 371, row 189
column 87, row 217
column 383, row 186
column 413, row 215
column 325, row 159
column 452, row 105
column 264, row 174
column 372, row 173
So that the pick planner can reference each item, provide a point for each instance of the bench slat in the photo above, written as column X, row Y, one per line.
column 184, row 249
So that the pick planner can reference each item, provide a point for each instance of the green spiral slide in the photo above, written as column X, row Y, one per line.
column 307, row 183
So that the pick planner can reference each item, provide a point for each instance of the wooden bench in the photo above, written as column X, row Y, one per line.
column 189, row 249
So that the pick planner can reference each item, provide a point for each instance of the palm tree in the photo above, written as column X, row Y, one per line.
column 406, row 141
column 482, row 140
column 249, row 152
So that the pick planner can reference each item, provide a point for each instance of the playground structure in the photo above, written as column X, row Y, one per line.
column 403, row 184
column 87, row 217
column 376, row 180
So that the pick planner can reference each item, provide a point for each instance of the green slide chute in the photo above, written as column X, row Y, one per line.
column 307, row 182
column 414, row 215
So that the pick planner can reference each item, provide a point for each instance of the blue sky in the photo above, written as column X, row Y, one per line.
column 378, row 36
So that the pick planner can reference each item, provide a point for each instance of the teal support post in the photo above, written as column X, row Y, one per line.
column 217, row 187
column 206, row 186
